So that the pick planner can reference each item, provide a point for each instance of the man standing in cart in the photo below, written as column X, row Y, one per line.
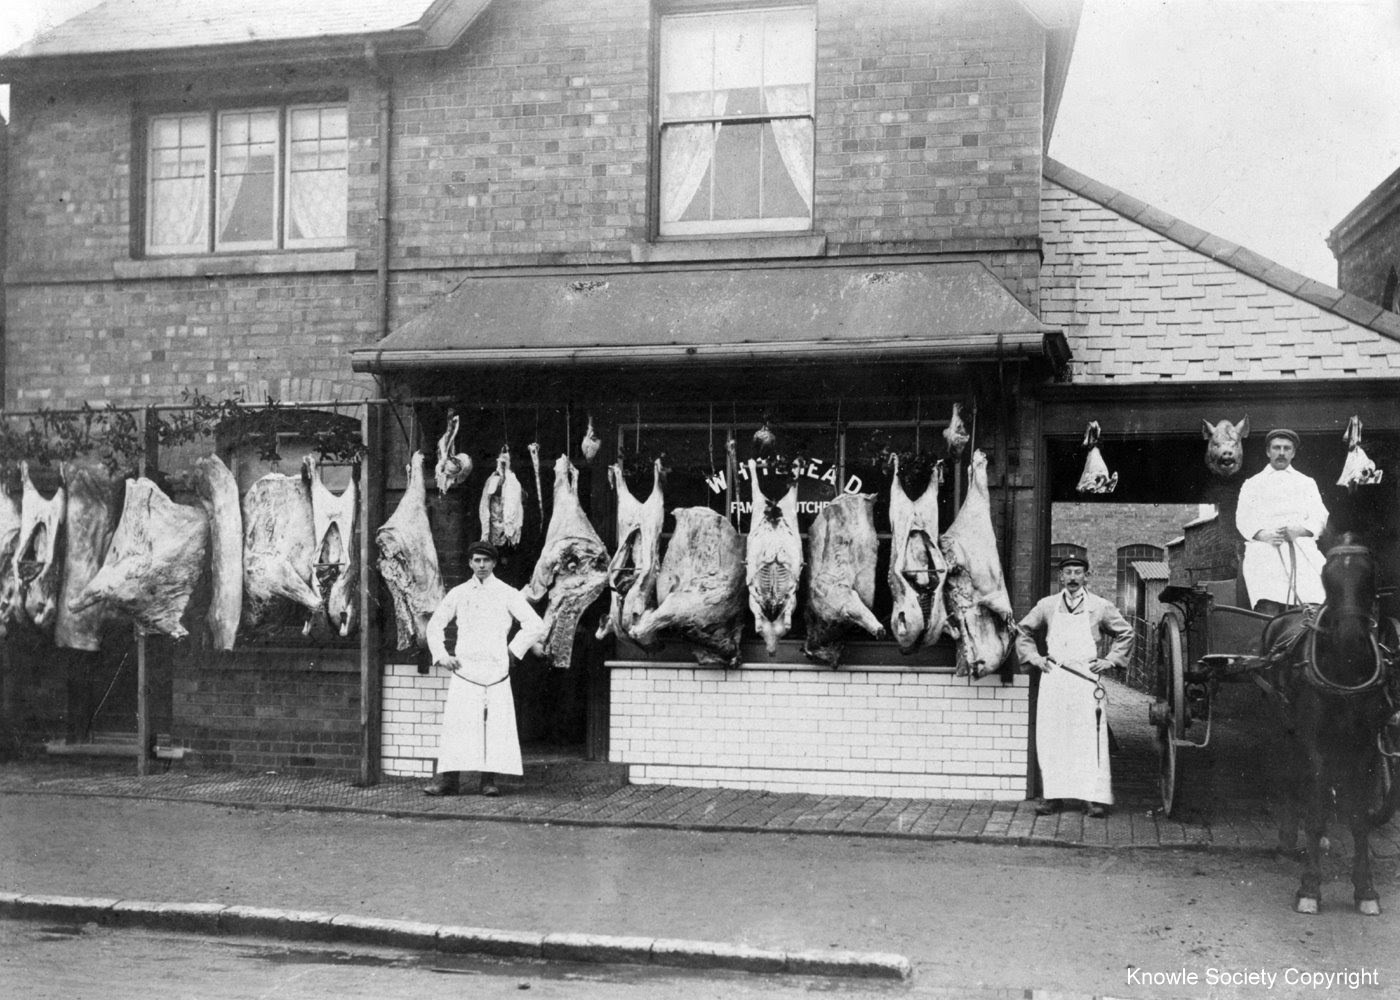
column 1280, row 515
column 1071, row 720
column 478, row 722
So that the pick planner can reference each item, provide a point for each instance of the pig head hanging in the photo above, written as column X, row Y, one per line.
column 1225, row 446
column 1095, row 478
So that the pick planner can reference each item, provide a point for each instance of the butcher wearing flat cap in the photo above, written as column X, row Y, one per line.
column 1281, row 515
column 1071, row 717
column 478, row 722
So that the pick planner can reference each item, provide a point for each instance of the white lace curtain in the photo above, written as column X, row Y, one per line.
column 793, row 135
column 688, row 151
column 316, row 203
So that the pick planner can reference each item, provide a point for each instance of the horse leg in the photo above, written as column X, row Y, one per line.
column 1308, row 898
column 1364, row 894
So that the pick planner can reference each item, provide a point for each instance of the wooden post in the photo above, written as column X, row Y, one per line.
column 372, row 469
column 148, row 428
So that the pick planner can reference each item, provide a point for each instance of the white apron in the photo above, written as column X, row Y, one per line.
column 1070, row 740
column 478, row 721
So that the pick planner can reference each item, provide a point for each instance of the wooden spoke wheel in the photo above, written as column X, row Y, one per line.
column 1171, row 688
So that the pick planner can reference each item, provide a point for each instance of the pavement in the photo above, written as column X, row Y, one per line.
column 1225, row 807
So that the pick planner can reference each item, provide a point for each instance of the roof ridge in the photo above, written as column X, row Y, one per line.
column 1348, row 306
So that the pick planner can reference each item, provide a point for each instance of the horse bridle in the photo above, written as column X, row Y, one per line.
column 1321, row 681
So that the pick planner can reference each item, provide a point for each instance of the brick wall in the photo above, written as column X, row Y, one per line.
column 847, row 732
column 528, row 144
column 1366, row 265
column 1103, row 528
column 288, row 711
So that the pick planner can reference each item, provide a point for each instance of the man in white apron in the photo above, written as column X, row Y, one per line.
column 1071, row 715
column 1280, row 514
column 478, row 721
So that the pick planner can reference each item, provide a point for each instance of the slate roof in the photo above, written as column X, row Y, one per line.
column 143, row 26
column 1151, row 570
column 1145, row 297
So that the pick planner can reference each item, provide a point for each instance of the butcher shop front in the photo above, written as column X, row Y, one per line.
column 795, row 485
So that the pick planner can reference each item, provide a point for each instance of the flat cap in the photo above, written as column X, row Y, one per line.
column 484, row 548
column 1281, row 432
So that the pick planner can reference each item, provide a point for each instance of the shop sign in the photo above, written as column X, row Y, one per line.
column 821, row 474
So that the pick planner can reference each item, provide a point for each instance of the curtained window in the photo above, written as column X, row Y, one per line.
column 737, row 122
column 247, row 179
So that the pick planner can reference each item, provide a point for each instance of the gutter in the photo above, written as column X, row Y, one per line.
column 898, row 350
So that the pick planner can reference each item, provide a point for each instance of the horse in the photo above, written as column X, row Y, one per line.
column 1336, row 691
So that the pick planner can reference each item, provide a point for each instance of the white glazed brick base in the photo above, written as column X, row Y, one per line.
column 411, row 713
column 849, row 732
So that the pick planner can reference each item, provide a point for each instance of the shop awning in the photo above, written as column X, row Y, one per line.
column 868, row 311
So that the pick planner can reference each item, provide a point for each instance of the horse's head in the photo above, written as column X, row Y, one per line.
column 1349, row 578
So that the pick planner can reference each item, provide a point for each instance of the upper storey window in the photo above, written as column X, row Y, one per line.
column 737, row 121
column 246, row 179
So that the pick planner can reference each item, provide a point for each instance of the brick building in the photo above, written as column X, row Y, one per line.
column 674, row 221
column 1367, row 246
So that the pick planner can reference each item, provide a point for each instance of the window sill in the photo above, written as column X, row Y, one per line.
column 210, row 266
column 729, row 248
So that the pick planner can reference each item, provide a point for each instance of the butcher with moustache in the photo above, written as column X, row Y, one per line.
column 1071, row 718
column 1281, row 514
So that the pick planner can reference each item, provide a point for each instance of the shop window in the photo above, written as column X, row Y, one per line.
column 1127, row 580
column 737, row 126
column 238, row 179
column 1060, row 551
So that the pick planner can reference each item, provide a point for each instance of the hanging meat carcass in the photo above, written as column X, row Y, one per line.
column 534, row 449
column 502, row 508
column 94, row 508
column 337, row 565
column 841, row 576
column 408, row 560
column 452, row 468
column 1359, row 470
column 955, row 435
column 9, row 539
column 773, row 561
column 157, row 557
column 978, row 605
column 37, row 567
column 700, row 588
column 1095, row 477
column 591, row 442
column 634, row 567
column 572, row 569
column 218, row 495
column 917, row 568
column 279, row 548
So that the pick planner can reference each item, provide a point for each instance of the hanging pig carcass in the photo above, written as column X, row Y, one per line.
column 979, row 608
column 917, row 568
column 158, row 555
column 9, row 540
column 35, row 573
column 633, row 570
column 572, row 569
column 502, row 507
column 773, row 561
column 94, row 509
column 700, row 590
column 452, row 467
column 279, row 548
column 841, row 577
column 337, row 562
column 408, row 560
column 217, row 490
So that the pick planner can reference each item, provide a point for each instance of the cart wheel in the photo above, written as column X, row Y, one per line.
column 1171, row 684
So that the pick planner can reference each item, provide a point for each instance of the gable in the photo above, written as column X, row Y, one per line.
column 1139, row 306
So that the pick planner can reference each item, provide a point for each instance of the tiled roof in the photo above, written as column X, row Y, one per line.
column 1151, row 570
column 1145, row 297
column 149, row 25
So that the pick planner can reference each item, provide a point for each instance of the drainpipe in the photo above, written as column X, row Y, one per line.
column 382, row 81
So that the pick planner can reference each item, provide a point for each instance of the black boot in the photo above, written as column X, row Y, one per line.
column 444, row 783
column 488, row 785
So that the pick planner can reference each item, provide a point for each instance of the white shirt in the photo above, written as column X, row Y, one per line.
column 484, row 611
column 1269, row 501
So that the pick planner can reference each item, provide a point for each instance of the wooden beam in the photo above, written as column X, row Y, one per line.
column 371, row 661
column 148, row 426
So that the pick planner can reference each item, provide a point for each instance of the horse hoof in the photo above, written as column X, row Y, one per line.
column 1368, row 907
column 1305, row 904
